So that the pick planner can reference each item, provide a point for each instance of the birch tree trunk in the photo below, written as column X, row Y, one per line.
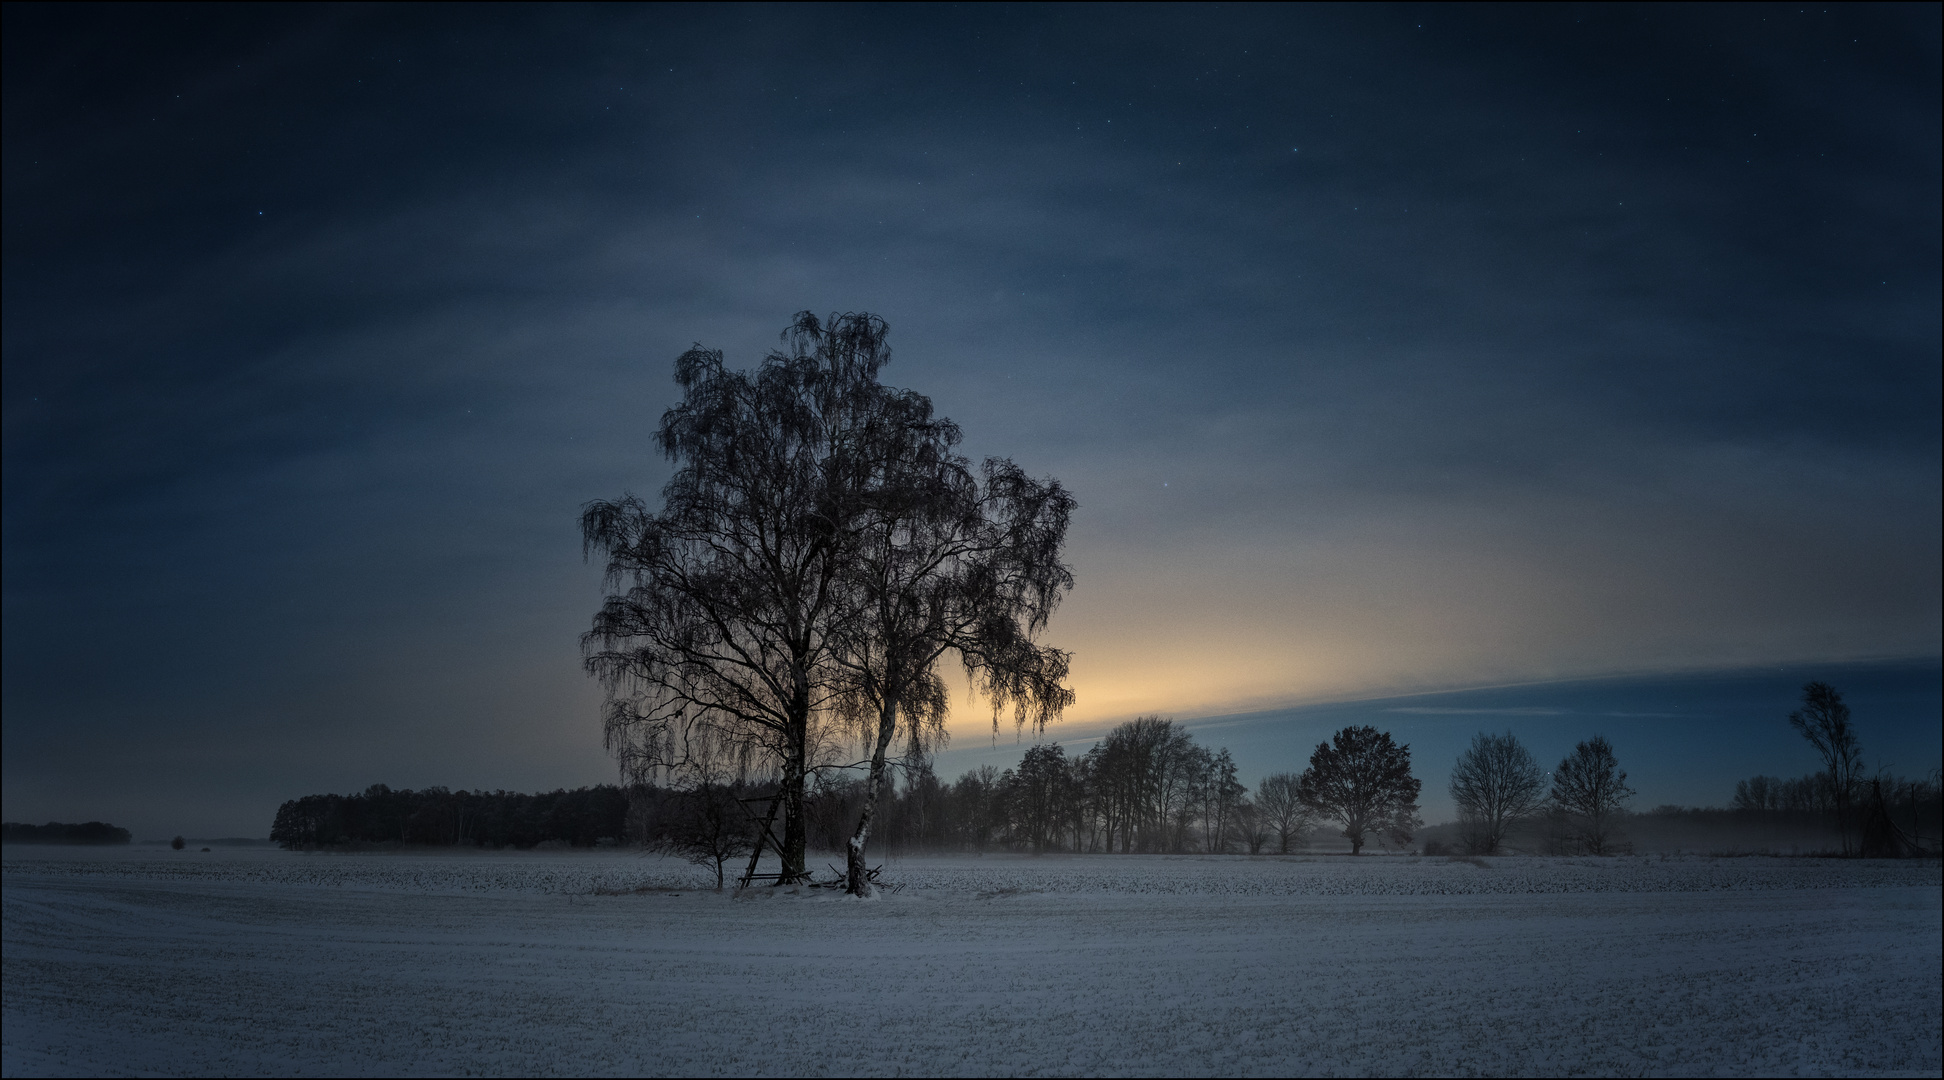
column 857, row 881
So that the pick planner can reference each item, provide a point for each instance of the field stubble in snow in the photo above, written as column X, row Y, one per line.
column 261, row 961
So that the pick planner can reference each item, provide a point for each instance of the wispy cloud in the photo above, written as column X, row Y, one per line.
column 1428, row 710
column 1657, row 715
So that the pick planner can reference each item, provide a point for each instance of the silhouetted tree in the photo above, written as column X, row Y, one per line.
column 976, row 807
column 1041, row 794
column 1082, row 804
column 722, row 633
column 56, row 832
column 1363, row 779
column 1145, row 772
column 1825, row 721
column 1251, row 826
column 943, row 562
column 1279, row 797
column 1221, row 795
column 1590, row 788
column 705, row 824
column 1494, row 784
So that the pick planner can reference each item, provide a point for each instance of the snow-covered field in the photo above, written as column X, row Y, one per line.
column 261, row 961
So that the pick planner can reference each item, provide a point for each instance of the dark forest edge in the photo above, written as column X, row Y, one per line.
column 438, row 817
column 1146, row 787
column 55, row 832
column 984, row 810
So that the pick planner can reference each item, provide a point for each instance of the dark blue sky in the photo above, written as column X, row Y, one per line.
column 1387, row 349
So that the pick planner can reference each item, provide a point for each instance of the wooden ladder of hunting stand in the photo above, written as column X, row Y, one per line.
column 763, row 834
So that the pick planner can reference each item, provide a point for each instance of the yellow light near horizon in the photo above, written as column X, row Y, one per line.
column 1237, row 622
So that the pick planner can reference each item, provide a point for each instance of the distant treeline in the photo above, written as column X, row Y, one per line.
column 1146, row 786
column 1913, row 808
column 1814, row 796
column 584, row 817
column 55, row 832
column 1051, row 803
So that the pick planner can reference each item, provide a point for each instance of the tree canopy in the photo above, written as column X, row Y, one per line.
column 820, row 547
column 1363, row 779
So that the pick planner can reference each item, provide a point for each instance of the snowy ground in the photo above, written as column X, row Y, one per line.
column 261, row 961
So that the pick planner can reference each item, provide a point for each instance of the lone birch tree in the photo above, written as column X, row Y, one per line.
column 820, row 548
column 1279, row 798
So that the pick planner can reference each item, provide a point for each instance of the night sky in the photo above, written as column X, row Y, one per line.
column 1390, row 351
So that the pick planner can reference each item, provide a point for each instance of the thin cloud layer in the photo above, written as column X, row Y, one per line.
column 1385, row 350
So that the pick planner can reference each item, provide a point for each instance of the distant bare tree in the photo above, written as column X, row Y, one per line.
column 1251, row 825
column 1279, row 800
column 1363, row 779
column 1494, row 784
column 1825, row 721
column 705, row 824
column 1590, row 789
